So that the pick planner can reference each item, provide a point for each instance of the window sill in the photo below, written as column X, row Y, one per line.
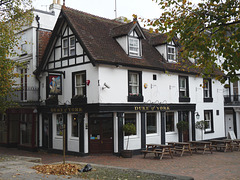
column 208, row 132
column 184, row 99
column 208, row 100
column 135, row 98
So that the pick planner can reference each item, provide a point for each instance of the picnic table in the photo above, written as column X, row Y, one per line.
column 236, row 144
column 225, row 144
column 158, row 149
column 201, row 145
column 181, row 146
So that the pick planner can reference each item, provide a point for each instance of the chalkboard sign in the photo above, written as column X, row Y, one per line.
column 231, row 135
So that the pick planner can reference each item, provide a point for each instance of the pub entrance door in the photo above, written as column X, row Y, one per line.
column 101, row 133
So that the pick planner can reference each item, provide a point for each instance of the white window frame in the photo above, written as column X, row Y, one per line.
column 208, row 119
column 134, row 84
column 171, row 56
column 58, row 134
column 134, row 46
column 181, row 87
column 156, row 123
column 137, row 134
column 81, row 86
column 174, row 120
column 72, row 136
column 72, row 46
column 206, row 88
column 65, row 47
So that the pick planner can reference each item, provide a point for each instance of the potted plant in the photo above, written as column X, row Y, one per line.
column 183, row 128
column 201, row 125
column 129, row 129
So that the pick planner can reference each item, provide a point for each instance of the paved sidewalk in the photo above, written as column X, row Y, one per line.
column 217, row 166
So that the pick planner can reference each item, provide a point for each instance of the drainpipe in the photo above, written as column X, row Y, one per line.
column 37, row 77
column 37, row 52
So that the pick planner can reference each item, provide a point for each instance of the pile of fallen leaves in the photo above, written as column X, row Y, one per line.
column 58, row 169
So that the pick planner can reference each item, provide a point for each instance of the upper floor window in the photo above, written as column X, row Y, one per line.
column 134, row 44
column 135, row 86
column 68, row 46
column 24, row 45
column 79, row 83
column 208, row 118
column 183, row 89
column 207, row 90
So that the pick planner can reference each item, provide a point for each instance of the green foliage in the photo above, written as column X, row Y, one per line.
column 129, row 129
column 207, row 30
column 201, row 124
column 15, row 14
column 182, row 126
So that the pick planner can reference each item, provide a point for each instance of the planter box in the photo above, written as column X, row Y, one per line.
column 126, row 153
column 51, row 101
column 79, row 100
column 135, row 98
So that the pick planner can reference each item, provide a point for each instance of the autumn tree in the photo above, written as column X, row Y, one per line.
column 14, row 14
column 208, row 31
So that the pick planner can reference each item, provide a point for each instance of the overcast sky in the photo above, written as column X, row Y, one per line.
column 105, row 8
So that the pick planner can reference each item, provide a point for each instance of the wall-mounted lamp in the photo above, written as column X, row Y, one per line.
column 105, row 86
column 197, row 115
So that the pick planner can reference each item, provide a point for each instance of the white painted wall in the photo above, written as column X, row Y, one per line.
column 122, row 41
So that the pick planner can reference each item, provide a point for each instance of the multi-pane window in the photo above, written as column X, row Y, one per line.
column 170, row 123
column 207, row 88
column 68, row 46
column 133, row 83
column 80, row 84
column 134, row 44
column 24, row 44
column 208, row 118
column 151, row 123
column 171, row 53
column 72, row 46
column 59, row 125
column 75, row 125
column 130, row 118
column 183, row 87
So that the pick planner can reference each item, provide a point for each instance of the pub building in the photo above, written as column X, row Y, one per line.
column 98, row 74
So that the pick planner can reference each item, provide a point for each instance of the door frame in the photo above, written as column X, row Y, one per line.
column 100, row 116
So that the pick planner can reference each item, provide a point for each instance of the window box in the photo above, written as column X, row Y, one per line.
column 208, row 99
column 135, row 98
column 79, row 99
column 53, row 100
column 184, row 99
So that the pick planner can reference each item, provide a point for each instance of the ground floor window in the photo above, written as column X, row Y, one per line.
column 208, row 118
column 75, row 125
column 131, row 118
column 151, row 123
column 170, row 122
column 26, row 129
column 59, row 125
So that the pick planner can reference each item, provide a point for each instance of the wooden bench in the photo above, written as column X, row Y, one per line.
column 158, row 149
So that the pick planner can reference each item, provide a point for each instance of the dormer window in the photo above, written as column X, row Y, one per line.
column 171, row 53
column 134, row 44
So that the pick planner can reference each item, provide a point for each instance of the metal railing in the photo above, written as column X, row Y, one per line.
column 234, row 99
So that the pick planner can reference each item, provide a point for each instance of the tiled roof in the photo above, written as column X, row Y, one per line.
column 97, row 36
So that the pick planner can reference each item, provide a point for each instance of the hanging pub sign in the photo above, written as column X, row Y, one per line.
column 54, row 84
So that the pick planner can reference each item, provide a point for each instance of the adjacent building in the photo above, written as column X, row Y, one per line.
column 19, row 126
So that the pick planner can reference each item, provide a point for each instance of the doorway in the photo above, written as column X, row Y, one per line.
column 101, row 133
column 45, row 134
column 229, row 123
